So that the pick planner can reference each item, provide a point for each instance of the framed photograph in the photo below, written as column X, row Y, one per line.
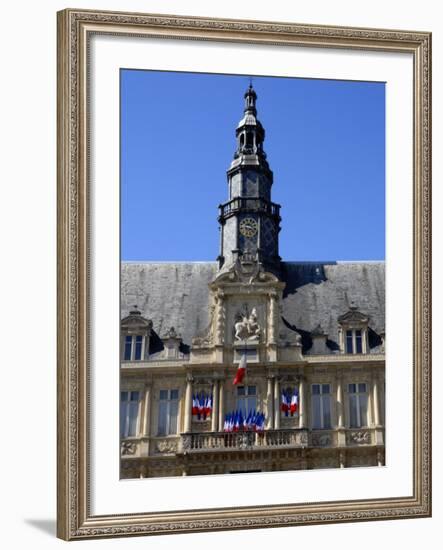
column 243, row 274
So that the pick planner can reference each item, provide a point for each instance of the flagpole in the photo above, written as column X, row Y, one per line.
column 244, row 352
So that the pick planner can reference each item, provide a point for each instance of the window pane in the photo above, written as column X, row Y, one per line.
column 363, row 398
column 138, row 347
column 326, row 411
column 362, row 388
column 124, row 396
column 325, row 388
column 122, row 419
column 358, row 341
column 174, row 394
column 134, row 395
column 349, row 346
column 315, row 389
column 162, row 417
column 352, row 388
column 128, row 348
column 163, row 394
column 133, row 410
column 251, row 404
column 316, row 416
column 241, row 390
column 251, row 390
column 173, row 409
column 241, row 403
column 353, row 420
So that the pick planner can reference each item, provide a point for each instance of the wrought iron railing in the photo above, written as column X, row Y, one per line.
column 249, row 204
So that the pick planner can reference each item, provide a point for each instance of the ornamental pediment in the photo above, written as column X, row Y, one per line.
column 246, row 271
column 353, row 316
column 135, row 319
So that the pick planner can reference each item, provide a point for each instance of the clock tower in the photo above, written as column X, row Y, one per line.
column 249, row 220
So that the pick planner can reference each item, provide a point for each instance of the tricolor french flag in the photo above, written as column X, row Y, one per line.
column 284, row 403
column 194, row 405
column 208, row 406
column 241, row 371
column 293, row 407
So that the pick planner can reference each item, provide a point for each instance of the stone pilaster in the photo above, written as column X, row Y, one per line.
column 276, row 403
column 221, row 403
column 270, row 403
column 146, row 430
column 220, row 318
column 375, row 402
column 340, row 406
column 188, row 403
column 272, row 328
column 215, row 396
column 379, row 435
column 302, row 418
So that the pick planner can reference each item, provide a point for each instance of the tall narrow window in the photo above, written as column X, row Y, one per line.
column 349, row 342
column 358, row 405
column 138, row 348
column 358, row 342
column 129, row 401
column 321, row 406
column 168, row 412
column 246, row 399
column 128, row 348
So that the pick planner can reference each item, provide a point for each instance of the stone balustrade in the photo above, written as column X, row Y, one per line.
column 213, row 441
column 244, row 440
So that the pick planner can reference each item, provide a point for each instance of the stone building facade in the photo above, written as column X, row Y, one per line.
column 311, row 333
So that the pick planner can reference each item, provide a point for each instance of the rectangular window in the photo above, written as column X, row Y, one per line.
column 138, row 348
column 321, row 406
column 247, row 399
column 349, row 342
column 358, row 405
column 133, row 348
column 168, row 412
column 129, row 403
column 358, row 342
column 354, row 341
column 128, row 348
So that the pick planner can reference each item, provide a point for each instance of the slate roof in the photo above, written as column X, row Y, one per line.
column 176, row 294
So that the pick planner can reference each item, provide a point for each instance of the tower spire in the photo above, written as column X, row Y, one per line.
column 249, row 221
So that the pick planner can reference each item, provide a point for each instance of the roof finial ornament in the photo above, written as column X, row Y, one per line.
column 135, row 310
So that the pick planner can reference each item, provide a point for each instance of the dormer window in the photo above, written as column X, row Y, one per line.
column 354, row 341
column 134, row 348
column 135, row 335
column 353, row 331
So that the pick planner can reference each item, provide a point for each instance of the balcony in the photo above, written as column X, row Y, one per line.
column 282, row 439
column 235, row 441
column 249, row 204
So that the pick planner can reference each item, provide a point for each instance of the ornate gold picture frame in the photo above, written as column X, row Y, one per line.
column 76, row 517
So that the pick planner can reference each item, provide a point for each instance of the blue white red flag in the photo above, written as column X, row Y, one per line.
column 241, row 371
column 293, row 407
column 284, row 407
column 194, row 405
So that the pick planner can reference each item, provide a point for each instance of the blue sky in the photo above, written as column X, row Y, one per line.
column 325, row 142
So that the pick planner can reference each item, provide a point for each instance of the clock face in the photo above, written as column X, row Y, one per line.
column 248, row 227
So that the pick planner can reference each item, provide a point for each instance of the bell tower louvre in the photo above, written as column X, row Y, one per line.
column 249, row 220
